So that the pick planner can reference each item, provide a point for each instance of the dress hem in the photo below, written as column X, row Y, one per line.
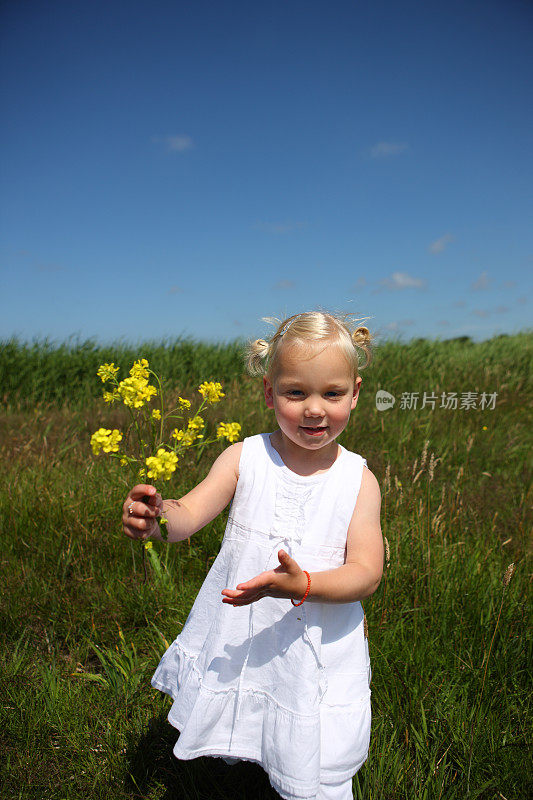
column 326, row 776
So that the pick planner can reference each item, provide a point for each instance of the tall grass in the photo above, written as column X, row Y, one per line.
column 80, row 634
column 44, row 372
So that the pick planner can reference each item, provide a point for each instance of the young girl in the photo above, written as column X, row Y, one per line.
column 284, row 681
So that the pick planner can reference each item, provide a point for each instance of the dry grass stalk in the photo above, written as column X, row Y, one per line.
column 387, row 552
column 418, row 474
column 459, row 474
column 432, row 464
column 387, row 478
column 415, row 466
column 437, row 522
column 508, row 574
column 469, row 443
column 424, row 454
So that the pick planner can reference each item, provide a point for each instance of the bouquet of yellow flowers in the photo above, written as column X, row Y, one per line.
column 156, row 436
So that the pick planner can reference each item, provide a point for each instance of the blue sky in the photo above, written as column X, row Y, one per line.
column 173, row 168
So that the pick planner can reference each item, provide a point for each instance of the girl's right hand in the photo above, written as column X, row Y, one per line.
column 140, row 511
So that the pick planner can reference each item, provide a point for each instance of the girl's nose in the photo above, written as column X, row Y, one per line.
column 313, row 409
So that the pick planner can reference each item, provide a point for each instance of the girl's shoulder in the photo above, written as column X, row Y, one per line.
column 236, row 456
column 231, row 457
column 249, row 450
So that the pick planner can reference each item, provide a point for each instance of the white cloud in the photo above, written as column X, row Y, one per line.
column 175, row 290
column 483, row 313
column 521, row 301
column 284, row 284
column 387, row 149
column 481, row 283
column 443, row 323
column 360, row 283
column 439, row 245
column 279, row 227
column 459, row 304
column 402, row 280
column 174, row 143
column 398, row 324
column 508, row 284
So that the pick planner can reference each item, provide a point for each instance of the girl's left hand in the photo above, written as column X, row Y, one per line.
column 287, row 580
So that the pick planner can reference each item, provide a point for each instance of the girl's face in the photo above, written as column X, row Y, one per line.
column 312, row 397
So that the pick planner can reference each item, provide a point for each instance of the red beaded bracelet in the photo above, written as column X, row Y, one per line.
column 306, row 591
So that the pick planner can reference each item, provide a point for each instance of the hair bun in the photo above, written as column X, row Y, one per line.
column 362, row 339
column 256, row 356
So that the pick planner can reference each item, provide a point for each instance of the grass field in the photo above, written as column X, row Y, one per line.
column 81, row 634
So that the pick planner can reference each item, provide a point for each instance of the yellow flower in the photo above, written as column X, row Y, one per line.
column 484, row 427
column 98, row 439
column 229, row 431
column 156, row 414
column 112, row 442
column 136, row 391
column 110, row 397
column 140, row 369
column 107, row 372
column 162, row 465
column 186, row 438
column 211, row 391
column 123, row 461
column 148, row 545
column 196, row 423
column 184, row 404
column 106, row 440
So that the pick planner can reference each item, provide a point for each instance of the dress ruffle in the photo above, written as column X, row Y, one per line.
column 203, row 714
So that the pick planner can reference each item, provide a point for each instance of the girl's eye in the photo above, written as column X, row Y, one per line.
column 332, row 394
column 295, row 392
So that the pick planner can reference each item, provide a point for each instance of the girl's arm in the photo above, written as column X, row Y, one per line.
column 360, row 575
column 191, row 512
column 357, row 578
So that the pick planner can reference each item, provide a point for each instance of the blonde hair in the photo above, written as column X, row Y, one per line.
column 308, row 328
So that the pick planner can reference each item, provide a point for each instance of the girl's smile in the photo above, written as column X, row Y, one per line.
column 312, row 393
column 314, row 431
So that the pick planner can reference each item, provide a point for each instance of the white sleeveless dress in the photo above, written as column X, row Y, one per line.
column 287, row 687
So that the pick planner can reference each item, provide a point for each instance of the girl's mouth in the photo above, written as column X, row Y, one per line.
column 314, row 431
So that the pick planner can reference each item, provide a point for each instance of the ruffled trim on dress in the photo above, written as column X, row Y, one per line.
column 197, row 708
column 289, row 519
